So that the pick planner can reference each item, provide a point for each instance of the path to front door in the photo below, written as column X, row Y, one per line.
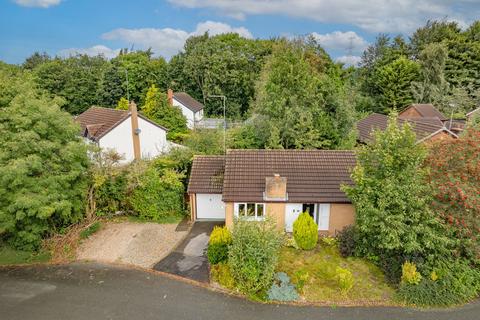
column 189, row 259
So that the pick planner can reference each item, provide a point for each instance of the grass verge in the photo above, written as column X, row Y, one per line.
column 9, row 255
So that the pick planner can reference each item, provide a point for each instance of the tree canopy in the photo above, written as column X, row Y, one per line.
column 42, row 167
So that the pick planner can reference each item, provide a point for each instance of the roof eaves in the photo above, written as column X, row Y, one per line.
column 435, row 133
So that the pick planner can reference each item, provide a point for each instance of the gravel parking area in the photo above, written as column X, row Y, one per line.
column 140, row 244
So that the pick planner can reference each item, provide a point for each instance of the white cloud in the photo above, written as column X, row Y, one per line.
column 370, row 15
column 339, row 40
column 38, row 3
column 349, row 60
column 214, row 28
column 167, row 41
column 92, row 51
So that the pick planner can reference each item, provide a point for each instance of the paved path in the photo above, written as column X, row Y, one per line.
column 189, row 259
column 92, row 291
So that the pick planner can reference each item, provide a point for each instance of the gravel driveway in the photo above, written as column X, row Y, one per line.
column 140, row 244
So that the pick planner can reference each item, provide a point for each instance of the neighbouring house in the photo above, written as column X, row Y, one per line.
column 191, row 108
column 426, row 129
column 426, row 112
column 422, row 111
column 278, row 183
column 128, row 133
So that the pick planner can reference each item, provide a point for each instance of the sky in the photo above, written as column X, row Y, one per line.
column 343, row 27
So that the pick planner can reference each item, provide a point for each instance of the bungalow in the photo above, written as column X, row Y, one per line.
column 422, row 111
column 426, row 129
column 128, row 133
column 278, row 183
column 191, row 108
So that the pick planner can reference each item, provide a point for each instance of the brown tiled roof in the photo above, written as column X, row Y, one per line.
column 456, row 125
column 428, row 111
column 189, row 102
column 313, row 176
column 97, row 122
column 207, row 174
column 422, row 127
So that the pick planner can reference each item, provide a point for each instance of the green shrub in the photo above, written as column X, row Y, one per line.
column 456, row 283
column 253, row 254
column 305, row 231
column 110, row 193
column 220, row 240
column 344, row 278
column 329, row 241
column 90, row 230
column 158, row 195
column 282, row 289
column 410, row 274
column 346, row 241
column 302, row 277
column 221, row 274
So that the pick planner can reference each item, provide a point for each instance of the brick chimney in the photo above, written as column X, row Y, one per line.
column 170, row 97
column 135, row 130
column 276, row 188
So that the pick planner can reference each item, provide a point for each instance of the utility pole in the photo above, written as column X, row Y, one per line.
column 224, row 98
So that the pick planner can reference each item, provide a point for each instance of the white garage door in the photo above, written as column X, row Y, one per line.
column 210, row 206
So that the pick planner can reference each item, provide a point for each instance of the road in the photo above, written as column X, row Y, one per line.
column 93, row 291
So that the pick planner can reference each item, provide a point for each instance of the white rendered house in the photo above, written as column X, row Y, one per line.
column 191, row 108
column 128, row 133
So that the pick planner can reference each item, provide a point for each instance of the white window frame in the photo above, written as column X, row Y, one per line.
column 244, row 216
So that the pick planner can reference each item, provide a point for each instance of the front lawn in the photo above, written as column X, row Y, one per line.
column 320, row 266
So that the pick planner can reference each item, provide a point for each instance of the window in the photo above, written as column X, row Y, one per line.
column 260, row 207
column 251, row 211
column 241, row 209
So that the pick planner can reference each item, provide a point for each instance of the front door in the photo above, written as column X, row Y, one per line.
column 292, row 211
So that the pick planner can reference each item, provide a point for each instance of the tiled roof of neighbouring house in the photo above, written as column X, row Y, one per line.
column 313, row 176
column 422, row 127
column 189, row 102
column 427, row 111
column 207, row 174
column 97, row 122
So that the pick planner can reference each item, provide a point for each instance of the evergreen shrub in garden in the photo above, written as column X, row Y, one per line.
column 305, row 231
column 220, row 240
column 253, row 254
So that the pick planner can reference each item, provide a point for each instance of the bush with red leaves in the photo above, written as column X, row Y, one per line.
column 455, row 179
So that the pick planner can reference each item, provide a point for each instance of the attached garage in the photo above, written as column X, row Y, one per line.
column 209, row 207
column 205, row 188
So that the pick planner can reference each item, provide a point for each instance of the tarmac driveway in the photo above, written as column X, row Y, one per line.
column 189, row 259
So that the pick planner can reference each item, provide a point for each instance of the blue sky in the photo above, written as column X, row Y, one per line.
column 65, row 27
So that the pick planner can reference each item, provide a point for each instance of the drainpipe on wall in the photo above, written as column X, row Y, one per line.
column 135, row 131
